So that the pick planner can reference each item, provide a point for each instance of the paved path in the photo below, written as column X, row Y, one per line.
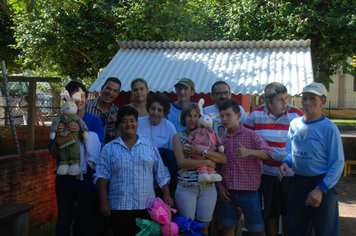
column 347, row 205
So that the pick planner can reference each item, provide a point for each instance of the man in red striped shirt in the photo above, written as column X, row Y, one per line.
column 271, row 120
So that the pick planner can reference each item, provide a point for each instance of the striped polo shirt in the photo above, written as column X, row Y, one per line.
column 274, row 131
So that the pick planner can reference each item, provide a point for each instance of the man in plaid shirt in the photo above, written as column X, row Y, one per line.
column 104, row 107
column 245, row 151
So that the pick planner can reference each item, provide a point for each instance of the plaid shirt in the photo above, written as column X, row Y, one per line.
column 92, row 106
column 243, row 173
column 131, row 173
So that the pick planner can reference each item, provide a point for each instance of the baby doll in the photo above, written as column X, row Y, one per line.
column 206, row 138
column 68, row 142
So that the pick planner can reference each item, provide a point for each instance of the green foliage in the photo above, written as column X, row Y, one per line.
column 7, row 40
column 74, row 38
column 329, row 24
column 77, row 38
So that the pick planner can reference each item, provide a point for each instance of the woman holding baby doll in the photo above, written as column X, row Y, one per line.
column 194, row 200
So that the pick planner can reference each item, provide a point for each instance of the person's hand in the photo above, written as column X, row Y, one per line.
column 241, row 151
column 168, row 200
column 113, row 118
column 223, row 193
column 60, row 127
column 187, row 149
column 105, row 209
column 73, row 127
column 282, row 170
column 210, row 163
column 196, row 150
column 314, row 198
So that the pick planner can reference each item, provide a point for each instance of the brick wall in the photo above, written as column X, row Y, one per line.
column 8, row 147
column 29, row 178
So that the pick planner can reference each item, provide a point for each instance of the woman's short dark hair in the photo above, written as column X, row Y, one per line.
column 161, row 99
column 73, row 86
column 125, row 111
column 186, row 111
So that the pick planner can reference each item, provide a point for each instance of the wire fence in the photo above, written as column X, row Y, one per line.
column 30, row 136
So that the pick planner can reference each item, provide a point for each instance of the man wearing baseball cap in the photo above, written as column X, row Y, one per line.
column 185, row 89
column 315, row 154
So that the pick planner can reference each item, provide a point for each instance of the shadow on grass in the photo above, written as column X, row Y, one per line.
column 47, row 229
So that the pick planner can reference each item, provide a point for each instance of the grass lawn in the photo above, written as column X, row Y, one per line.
column 340, row 122
column 47, row 229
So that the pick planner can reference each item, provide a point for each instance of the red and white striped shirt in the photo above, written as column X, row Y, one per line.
column 243, row 173
column 274, row 131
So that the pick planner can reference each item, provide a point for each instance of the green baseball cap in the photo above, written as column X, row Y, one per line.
column 186, row 82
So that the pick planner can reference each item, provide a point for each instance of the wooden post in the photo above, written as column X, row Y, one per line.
column 31, row 119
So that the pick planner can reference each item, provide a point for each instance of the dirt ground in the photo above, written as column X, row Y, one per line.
column 347, row 205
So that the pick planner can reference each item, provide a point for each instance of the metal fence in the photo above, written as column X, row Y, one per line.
column 24, row 118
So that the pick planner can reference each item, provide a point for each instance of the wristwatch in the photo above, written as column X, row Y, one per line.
column 204, row 153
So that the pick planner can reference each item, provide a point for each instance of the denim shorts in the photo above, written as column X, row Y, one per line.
column 249, row 202
column 196, row 202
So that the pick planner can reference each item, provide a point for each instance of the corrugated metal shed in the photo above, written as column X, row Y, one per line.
column 247, row 66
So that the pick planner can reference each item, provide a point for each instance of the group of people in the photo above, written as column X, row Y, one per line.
column 277, row 162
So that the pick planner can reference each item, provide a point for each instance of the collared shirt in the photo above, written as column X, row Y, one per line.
column 92, row 106
column 243, row 173
column 131, row 173
column 274, row 131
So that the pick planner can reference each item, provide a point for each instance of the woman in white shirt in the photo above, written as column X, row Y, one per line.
column 160, row 131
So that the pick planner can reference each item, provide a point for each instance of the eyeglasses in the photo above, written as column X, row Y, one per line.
column 219, row 94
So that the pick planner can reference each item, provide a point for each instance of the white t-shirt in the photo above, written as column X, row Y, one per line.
column 217, row 125
column 161, row 134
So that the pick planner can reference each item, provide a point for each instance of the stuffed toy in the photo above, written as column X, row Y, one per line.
column 67, row 141
column 206, row 138
column 161, row 213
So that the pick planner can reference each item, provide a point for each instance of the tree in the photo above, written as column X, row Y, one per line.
column 77, row 38
column 329, row 24
column 7, row 40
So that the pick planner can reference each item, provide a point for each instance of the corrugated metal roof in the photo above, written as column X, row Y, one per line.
column 247, row 66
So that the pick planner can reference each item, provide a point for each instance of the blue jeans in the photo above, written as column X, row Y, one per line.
column 249, row 203
column 324, row 219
